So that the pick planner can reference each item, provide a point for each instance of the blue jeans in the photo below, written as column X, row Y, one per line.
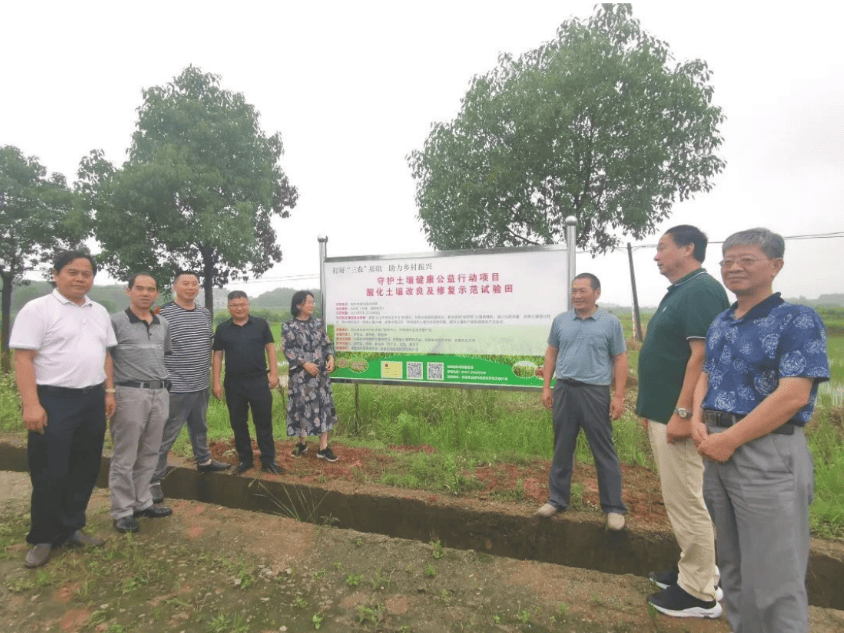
column 191, row 408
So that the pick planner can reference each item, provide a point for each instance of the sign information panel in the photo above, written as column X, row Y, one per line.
column 454, row 317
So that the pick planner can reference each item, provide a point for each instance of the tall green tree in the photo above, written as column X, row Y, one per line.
column 37, row 218
column 599, row 123
column 198, row 191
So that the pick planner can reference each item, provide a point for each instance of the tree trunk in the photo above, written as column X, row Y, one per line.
column 6, row 310
column 208, row 281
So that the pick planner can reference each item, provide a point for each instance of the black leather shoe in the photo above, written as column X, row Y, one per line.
column 153, row 512
column 80, row 539
column 242, row 467
column 272, row 467
column 126, row 524
column 212, row 467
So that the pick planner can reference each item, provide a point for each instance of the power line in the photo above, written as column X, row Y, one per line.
column 808, row 236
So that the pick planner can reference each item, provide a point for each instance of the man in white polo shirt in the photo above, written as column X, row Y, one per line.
column 64, row 377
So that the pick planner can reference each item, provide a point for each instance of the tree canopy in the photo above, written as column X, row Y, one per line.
column 38, row 217
column 198, row 191
column 599, row 123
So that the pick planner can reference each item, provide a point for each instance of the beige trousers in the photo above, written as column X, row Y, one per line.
column 681, row 477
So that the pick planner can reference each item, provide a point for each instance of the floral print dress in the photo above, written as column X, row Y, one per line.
column 310, row 405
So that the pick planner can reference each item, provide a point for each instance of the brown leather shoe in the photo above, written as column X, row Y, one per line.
column 38, row 555
column 80, row 539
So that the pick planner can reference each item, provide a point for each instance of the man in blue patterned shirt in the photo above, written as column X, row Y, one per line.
column 764, row 361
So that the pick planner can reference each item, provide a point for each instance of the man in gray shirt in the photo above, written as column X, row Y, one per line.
column 140, row 378
column 587, row 352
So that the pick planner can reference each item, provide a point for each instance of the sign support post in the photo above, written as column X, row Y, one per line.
column 571, row 251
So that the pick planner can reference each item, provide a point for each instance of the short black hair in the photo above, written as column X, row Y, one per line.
column 237, row 294
column 685, row 234
column 65, row 257
column 593, row 280
column 131, row 282
column 298, row 299
column 180, row 273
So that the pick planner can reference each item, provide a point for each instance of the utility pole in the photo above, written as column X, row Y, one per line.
column 637, row 321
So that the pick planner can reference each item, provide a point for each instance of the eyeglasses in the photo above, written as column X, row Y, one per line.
column 743, row 262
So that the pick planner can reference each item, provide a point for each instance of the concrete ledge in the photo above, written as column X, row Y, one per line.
column 564, row 541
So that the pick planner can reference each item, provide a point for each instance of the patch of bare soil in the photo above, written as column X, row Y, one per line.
column 213, row 569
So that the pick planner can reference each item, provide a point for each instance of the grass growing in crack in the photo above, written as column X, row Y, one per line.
column 372, row 614
column 222, row 623
column 298, row 506
column 242, row 572
column 353, row 580
column 380, row 581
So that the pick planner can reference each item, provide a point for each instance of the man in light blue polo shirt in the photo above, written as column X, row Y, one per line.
column 587, row 353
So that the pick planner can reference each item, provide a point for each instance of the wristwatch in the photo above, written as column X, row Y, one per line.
column 686, row 414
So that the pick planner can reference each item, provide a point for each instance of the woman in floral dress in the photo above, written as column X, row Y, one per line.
column 310, row 357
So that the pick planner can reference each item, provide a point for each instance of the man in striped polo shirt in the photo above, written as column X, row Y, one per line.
column 189, row 368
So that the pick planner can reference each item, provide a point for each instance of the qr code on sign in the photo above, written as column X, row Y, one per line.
column 414, row 371
column 435, row 371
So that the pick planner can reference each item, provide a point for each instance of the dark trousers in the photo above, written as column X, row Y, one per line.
column 244, row 393
column 587, row 407
column 64, row 462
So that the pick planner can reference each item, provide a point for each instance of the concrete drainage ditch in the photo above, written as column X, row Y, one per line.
column 585, row 544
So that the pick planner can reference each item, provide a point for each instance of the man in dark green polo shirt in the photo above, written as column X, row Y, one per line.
column 247, row 343
column 670, row 363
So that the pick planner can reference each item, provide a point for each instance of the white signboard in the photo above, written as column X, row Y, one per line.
column 392, row 316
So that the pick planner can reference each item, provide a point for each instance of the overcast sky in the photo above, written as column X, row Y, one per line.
column 354, row 87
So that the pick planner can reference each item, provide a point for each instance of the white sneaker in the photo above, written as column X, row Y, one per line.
column 615, row 521
column 546, row 511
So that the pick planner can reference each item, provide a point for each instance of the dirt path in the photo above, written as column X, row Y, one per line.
column 212, row 569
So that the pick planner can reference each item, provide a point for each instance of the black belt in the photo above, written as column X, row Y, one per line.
column 68, row 391
column 571, row 382
column 152, row 384
column 725, row 420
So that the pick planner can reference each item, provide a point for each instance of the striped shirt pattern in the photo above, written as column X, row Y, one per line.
column 189, row 365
